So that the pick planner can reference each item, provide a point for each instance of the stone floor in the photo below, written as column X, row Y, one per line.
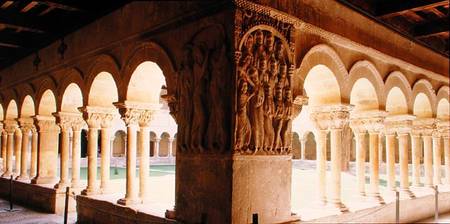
column 443, row 218
column 23, row 215
column 162, row 193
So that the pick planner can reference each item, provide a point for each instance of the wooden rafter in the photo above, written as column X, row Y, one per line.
column 22, row 22
column 394, row 8
column 430, row 28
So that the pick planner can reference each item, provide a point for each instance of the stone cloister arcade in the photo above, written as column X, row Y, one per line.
column 310, row 81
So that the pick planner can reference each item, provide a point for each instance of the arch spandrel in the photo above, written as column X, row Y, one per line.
column 396, row 79
column 320, row 54
column 365, row 69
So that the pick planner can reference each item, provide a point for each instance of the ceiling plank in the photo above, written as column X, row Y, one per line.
column 59, row 5
column 24, row 22
column 6, row 4
column 433, row 27
column 394, row 8
column 29, row 7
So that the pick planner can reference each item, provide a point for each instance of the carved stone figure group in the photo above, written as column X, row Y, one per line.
column 265, row 100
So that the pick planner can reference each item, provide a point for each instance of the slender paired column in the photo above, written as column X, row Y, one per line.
column 92, row 187
column 144, row 151
column 390, row 160
column 428, row 159
column 380, row 147
column 76, row 152
column 361, row 161
column 169, row 147
column 34, row 149
column 321, row 165
column 131, row 194
column 403, row 149
column 446, row 142
column 336, row 151
column 17, row 151
column 64, row 156
column 157, row 143
column 374, row 164
column 303, row 149
column 416, row 155
column 436, row 158
column 106, row 153
column 10, row 129
column 24, row 160
column 4, row 149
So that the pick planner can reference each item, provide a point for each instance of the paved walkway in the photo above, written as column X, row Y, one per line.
column 443, row 218
column 26, row 216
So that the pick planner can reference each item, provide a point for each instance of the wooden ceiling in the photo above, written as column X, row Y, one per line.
column 26, row 25
column 424, row 21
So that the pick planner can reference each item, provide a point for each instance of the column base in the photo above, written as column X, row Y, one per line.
column 106, row 190
column 23, row 178
column 337, row 207
column 61, row 186
column 44, row 180
column 90, row 191
column 76, row 185
column 7, row 174
column 375, row 198
column 128, row 201
column 406, row 194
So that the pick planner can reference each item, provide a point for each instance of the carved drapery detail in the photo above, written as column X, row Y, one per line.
column 201, row 102
column 264, row 103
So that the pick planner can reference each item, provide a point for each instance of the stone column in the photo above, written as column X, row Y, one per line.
column 403, row 160
column 416, row 152
column 26, row 129
column 47, row 150
column 169, row 147
column 390, row 160
column 131, row 115
column 374, row 166
column 17, row 151
column 105, row 153
column 157, row 141
column 65, row 122
column 446, row 139
column 437, row 158
column 76, row 154
column 361, row 162
column 10, row 128
column 4, row 149
column 380, row 147
column 34, row 152
column 336, row 149
column 428, row 159
column 321, row 165
column 303, row 149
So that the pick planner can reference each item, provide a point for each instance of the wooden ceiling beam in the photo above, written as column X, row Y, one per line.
column 23, row 22
column 394, row 8
column 59, row 5
column 431, row 28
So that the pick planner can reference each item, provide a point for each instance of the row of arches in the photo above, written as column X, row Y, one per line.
column 364, row 87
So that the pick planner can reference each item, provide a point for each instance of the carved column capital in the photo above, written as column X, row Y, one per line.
column 10, row 126
column 422, row 126
column 330, row 116
column 136, row 113
column 401, row 124
column 97, row 117
column 371, row 121
column 46, row 123
column 26, row 124
column 443, row 126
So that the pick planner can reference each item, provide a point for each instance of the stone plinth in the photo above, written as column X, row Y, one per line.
column 42, row 198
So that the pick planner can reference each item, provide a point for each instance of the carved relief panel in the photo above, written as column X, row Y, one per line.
column 264, row 104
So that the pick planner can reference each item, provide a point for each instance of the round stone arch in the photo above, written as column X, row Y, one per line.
column 46, row 84
column 443, row 103
column 148, row 52
column 103, row 63
column 2, row 112
column 26, row 100
column 12, row 110
column 397, row 79
column 423, row 87
column 365, row 70
column 9, row 96
column 320, row 54
column 72, row 75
